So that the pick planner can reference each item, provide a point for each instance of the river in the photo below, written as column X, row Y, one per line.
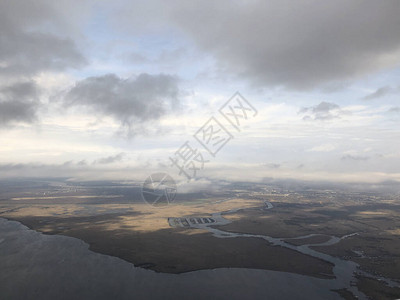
column 345, row 271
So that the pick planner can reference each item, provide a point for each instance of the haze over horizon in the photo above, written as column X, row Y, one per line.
column 110, row 90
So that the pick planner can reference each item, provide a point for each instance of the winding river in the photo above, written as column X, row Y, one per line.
column 345, row 271
column 38, row 266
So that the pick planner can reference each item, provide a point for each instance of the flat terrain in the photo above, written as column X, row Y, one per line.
column 147, row 240
column 114, row 221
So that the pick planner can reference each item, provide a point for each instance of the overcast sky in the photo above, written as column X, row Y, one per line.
column 113, row 89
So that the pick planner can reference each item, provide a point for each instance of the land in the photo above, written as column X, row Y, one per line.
column 113, row 220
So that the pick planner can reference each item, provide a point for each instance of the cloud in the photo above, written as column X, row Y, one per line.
column 354, row 158
column 323, row 148
column 323, row 111
column 272, row 165
column 110, row 159
column 199, row 185
column 27, row 44
column 131, row 102
column 82, row 163
column 302, row 44
column 19, row 103
column 379, row 93
column 395, row 109
column 136, row 57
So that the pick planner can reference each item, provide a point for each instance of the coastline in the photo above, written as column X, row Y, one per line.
column 31, row 259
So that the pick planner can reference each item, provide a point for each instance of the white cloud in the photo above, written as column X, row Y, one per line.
column 323, row 148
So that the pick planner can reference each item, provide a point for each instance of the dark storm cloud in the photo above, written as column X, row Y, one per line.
column 19, row 103
column 129, row 101
column 379, row 93
column 297, row 44
column 322, row 111
column 28, row 44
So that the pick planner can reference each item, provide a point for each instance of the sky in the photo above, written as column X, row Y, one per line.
column 94, row 90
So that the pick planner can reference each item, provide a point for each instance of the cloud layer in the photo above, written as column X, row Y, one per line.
column 301, row 44
column 19, row 103
column 128, row 66
column 130, row 101
column 28, row 45
column 323, row 111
